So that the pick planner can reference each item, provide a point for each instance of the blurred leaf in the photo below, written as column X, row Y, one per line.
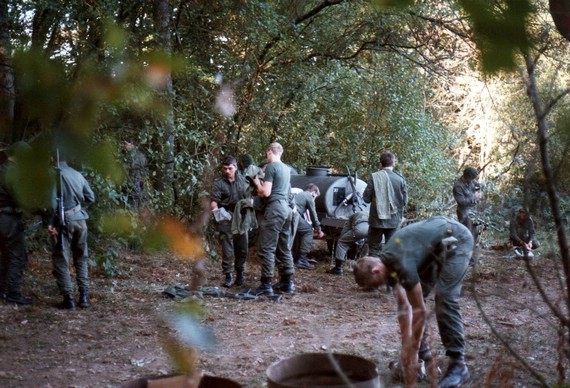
column 101, row 158
column 115, row 36
column 154, row 240
column 173, row 235
column 500, row 31
column 184, row 244
column 42, row 86
column 117, row 223
column 190, row 332
column 32, row 178
column 183, row 357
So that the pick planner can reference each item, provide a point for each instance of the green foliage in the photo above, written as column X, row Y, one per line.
column 380, row 4
column 500, row 31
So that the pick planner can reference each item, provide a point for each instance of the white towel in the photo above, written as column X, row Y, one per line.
column 222, row 214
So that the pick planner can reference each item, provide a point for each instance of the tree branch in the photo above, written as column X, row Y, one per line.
column 542, row 135
column 506, row 343
column 317, row 9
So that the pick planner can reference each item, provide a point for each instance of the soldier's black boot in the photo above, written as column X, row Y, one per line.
column 286, row 285
column 68, row 303
column 84, row 300
column 457, row 374
column 337, row 269
column 265, row 288
column 19, row 299
column 239, row 278
column 229, row 280
column 303, row 263
column 3, row 292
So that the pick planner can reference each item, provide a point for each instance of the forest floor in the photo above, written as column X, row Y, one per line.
column 120, row 338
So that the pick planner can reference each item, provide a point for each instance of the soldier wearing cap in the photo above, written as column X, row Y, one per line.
column 467, row 193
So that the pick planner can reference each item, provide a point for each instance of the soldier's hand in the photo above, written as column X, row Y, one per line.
column 53, row 230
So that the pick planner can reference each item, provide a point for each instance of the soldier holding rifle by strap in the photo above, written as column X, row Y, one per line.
column 69, row 225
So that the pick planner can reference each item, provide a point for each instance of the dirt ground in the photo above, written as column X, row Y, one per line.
column 118, row 339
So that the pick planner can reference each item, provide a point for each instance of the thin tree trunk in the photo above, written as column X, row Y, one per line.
column 7, row 89
column 162, row 21
column 542, row 134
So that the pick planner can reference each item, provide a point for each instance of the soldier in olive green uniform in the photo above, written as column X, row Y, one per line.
column 466, row 192
column 428, row 255
column 305, row 201
column 354, row 230
column 522, row 233
column 136, row 166
column 274, row 248
column 71, row 236
column 13, row 255
column 387, row 193
column 227, row 192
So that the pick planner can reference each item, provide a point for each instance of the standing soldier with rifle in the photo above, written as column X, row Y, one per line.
column 69, row 225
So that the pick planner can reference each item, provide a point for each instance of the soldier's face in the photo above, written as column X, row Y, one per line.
column 229, row 171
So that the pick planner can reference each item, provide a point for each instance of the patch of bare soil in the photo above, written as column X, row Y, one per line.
column 118, row 339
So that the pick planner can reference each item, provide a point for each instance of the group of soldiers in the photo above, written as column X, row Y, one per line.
column 425, row 256
column 66, row 220
column 267, row 191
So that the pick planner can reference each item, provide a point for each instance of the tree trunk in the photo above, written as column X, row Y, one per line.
column 162, row 23
column 7, row 89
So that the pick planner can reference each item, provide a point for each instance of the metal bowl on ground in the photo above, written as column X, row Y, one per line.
column 323, row 370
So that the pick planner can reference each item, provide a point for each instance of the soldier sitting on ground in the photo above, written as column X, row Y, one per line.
column 522, row 233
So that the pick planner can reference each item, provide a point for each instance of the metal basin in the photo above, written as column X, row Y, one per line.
column 323, row 370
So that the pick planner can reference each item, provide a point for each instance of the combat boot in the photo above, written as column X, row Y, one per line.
column 68, row 303
column 303, row 263
column 457, row 374
column 337, row 269
column 239, row 278
column 84, row 300
column 286, row 284
column 265, row 288
column 229, row 280
column 18, row 299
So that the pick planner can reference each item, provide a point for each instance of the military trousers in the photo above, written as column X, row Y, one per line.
column 348, row 237
column 73, row 249
column 274, row 239
column 234, row 247
column 304, row 237
column 463, row 215
column 375, row 238
column 445, row 277
column 13, row 256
